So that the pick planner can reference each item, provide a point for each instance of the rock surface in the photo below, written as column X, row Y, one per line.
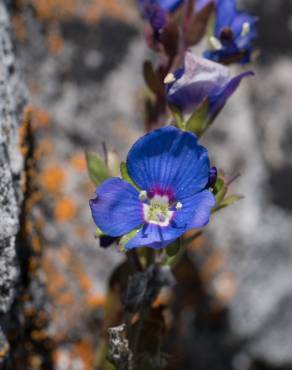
column 11, row 165
column 82, row 67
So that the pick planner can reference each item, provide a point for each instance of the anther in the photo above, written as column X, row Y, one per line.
column 143, row 195
column 245, row 29
column 169, row 78
column 215, row 43
column 178, row 206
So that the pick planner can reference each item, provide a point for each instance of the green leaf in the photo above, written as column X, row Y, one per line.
column 125, row 175
column 177, row 114
column 222, row 190
column 228, row 201
column 97, row 169
column 197, row 122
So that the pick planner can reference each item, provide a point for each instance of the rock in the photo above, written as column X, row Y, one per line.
column 11, row 164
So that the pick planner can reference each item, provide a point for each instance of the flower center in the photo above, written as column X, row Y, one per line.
column 158, row 211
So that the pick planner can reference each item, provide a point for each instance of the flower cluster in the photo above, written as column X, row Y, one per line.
column 167, row 185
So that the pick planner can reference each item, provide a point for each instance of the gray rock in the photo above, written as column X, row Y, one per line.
column 11, row 162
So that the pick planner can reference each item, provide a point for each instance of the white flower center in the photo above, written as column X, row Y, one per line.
column 158, row 212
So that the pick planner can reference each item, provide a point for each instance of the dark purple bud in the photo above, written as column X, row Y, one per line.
column 106, row 241
column 212, row 177
column 153, row 13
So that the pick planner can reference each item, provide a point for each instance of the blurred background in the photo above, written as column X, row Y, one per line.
column 75, row 66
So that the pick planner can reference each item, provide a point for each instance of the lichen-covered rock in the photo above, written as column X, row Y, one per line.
column 11, row 103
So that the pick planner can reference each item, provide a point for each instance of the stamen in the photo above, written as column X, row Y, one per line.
column 169, row 78
column 157, row 211
column 215, row 43
column 143, row 195
column 178, row 206
column 245, row 29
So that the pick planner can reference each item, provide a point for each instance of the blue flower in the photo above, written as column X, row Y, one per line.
column 170, row 5
column 171, row 171
column 199, row 81
column 154, row 13
column 234, row 34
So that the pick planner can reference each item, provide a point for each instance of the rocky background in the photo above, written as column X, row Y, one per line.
column 70, row 81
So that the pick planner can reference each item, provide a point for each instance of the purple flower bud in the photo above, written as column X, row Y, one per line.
column 212, row 177
column 201, row 79
column 152, row 12
column 106, row 241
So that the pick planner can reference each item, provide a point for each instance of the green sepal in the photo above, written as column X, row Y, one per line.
column 152, row 79
column 127, row 237
column 197, row 121
column 97, row 169
column 125, row 175
column 98, row 232
column 172, row 249
column 178, row 248
column 220, row 188
column 177, row 114
column 228, row 201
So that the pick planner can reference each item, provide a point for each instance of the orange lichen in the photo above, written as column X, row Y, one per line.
column 39, row 335
column 41, row 118
column 4, row 350
column 212, row 266
column 163, row 298
column 95, row 301
column 78, row 161
column 65, row 209
column 55, row 42
column 52, row 179
column 84, row 351
column 19, row 27
column 51, row 10
column 81, row 231
column 224, row 288
column 45, row 146
column 111, row 8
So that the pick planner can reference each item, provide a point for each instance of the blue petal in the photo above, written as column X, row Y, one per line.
column 202, row 204
column 195, row 211
column 169, row 161
column 154, row 236
column 116, row 210
column 225, row 13
column 218, row 100
column 170, row 5
column 200, row 4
